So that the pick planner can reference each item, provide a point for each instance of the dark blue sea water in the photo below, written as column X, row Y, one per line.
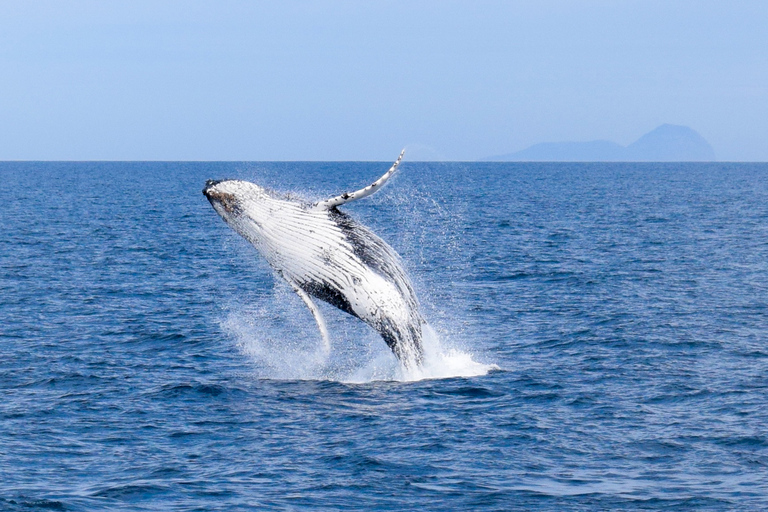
column 610, row 321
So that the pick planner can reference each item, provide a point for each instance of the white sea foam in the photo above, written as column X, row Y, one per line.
column 282, row 341
column 440, row 362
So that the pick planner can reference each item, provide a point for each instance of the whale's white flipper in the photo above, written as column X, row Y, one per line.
column 316, row 313
column 363, row 192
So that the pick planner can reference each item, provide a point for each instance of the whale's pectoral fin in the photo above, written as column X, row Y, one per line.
column 316, row 313
column 363, row 192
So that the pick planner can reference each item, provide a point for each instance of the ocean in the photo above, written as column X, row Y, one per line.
column 598, row 341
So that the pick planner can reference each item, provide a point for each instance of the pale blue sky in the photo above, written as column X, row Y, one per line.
column 332, row 80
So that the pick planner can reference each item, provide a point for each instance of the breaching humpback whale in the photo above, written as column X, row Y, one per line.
column 325, row 254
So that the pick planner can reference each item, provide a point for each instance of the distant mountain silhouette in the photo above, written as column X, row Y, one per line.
column 667, row 143
column 671, row 143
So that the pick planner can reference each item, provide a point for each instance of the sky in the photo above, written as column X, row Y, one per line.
column 335, row 80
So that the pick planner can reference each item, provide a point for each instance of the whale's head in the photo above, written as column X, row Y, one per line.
column 242, row 204
column 224, row 197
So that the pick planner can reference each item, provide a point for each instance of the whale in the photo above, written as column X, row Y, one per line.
column 325, row 254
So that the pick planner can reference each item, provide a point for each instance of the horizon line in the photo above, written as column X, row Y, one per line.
column 406, row 161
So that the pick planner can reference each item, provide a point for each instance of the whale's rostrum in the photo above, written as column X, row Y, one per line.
column 323, row 253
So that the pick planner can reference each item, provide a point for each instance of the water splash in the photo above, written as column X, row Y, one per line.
column 440, row 362
column 281, row 339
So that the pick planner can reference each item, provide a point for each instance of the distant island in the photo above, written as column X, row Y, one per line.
column 667, row 143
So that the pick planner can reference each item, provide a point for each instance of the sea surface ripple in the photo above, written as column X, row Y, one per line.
column 149, row 360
